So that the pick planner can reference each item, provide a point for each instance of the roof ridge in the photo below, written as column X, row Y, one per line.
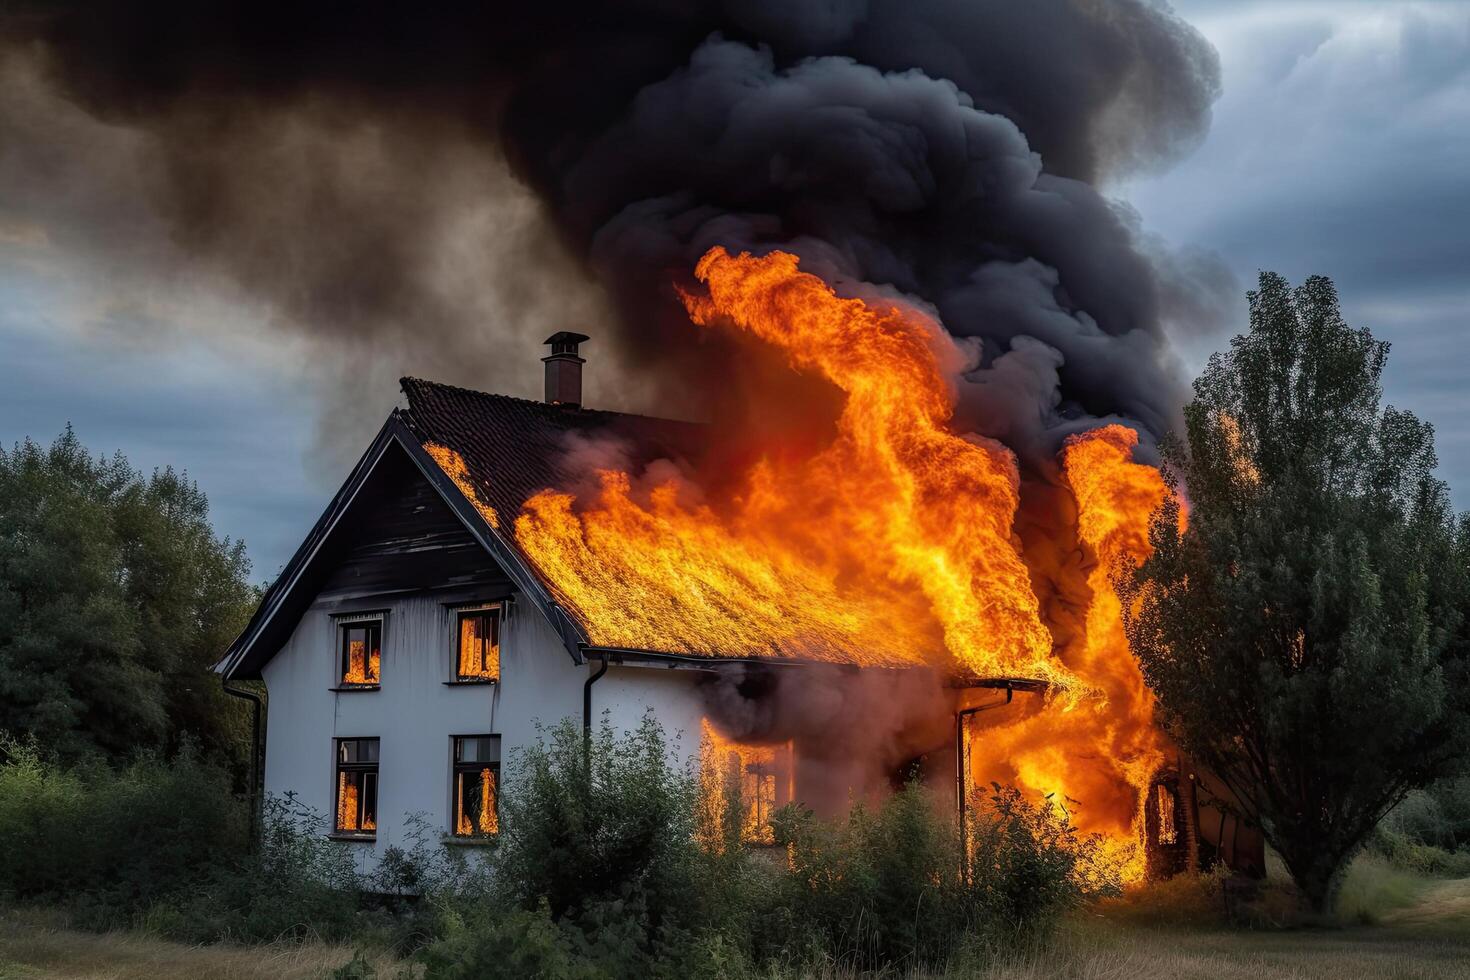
column 532, row 403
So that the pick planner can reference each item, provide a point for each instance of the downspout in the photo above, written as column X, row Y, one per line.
column 959, row 765
column 587, row 706
column 253, row 796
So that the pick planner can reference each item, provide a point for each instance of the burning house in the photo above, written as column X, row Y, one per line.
column 832, row 621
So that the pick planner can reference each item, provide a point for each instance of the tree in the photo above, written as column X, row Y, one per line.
column 1303, row 628
column 116, row 597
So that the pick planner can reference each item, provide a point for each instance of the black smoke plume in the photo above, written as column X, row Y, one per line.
column 330, row 160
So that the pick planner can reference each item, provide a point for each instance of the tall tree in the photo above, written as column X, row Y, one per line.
column 1303, row 627
column 116, row 597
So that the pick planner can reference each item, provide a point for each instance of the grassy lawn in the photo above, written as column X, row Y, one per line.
column 1421, row 930
column 37, row 946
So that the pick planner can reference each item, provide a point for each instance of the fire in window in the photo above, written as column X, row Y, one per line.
column 361, row 649
column 357, row 786
column 478, row 652
column 1164, row 800
column 757, row 778
column 476, row 784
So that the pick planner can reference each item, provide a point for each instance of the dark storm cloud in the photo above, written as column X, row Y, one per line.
column 322, row 160
column 1341, row 147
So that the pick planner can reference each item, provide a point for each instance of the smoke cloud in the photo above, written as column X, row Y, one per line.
column 360, row 173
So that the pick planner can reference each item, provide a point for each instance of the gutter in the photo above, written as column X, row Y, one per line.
column 253, row 795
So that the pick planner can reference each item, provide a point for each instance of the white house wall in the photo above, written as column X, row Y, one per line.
column 415, row 712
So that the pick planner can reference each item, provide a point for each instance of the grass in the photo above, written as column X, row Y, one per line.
column 35, row 946
column 1400, row 925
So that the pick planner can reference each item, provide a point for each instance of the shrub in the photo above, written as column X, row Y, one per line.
column 895, row 885
column 109, row 842
column 293, row 885
column 1429, row 832
column 596, row 819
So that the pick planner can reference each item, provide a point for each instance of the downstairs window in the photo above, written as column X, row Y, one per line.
column 357, row 786
column 476, row 785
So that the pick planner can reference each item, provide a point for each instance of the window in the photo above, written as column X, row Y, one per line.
column 477, row 650
column 476, row 785
column 357, row 786
column 361, row 646
column 1164, row 800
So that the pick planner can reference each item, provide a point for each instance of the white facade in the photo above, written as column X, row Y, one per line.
column 416, row 710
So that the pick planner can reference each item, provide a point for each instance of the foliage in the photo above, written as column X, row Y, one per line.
column 294, row 884
column 165, row 843
column 1304, row 630
column 596, row 818
column 115, row 599
column 885, row 886
column 110, row 842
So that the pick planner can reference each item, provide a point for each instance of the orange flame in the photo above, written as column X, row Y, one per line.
column 890, row 546
column 363, row 665
column 347, row 807
column 453, row 465
column 1102, row 751
column 761, row 776
column 488, row 820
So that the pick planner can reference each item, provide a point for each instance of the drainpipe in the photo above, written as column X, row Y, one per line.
column 587, row 706
column 253, row 797
column 959, row 766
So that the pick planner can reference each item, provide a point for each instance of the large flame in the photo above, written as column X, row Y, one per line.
column 1097, row 755
column 890, row 545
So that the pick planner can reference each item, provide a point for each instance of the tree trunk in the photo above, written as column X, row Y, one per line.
column 1318, row 877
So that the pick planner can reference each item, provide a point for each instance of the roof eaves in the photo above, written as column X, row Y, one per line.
column 276, row 594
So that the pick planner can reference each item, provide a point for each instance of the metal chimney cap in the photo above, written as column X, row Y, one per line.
column 566, row 337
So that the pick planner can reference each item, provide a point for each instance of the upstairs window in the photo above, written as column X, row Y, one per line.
column 476, row 785
column 357, row 786
column 477, row 650
column 361, row 650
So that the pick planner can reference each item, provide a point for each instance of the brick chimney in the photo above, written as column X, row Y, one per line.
column 564, row 369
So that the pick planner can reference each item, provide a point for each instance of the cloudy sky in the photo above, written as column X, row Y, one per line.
column 1341, row 145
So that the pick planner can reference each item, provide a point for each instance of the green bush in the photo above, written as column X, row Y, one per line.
column 599, row 873
column 1429, row 832
column 597, row 818
column 165, row 843
column 895, row 885
column 110, row 842
column 294, row 884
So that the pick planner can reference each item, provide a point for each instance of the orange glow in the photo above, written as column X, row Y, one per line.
column 761, row 775
column 488, row 820
column 453, row 465
column 1238, row 452
column 892, row 545
column 1101, row 751
column 479, row 656
column 347, row 807
column 346, row 803
column 362, row 664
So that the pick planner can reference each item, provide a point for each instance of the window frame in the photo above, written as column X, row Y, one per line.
column 455, row 768
column 339, row 766
column 342, row 623
column 458, row 613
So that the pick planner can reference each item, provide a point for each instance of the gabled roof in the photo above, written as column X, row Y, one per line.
column 514, row 447
column 511, row 448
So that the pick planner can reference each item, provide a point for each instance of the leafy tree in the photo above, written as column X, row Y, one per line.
column 1304, row 632
column 116, row 597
